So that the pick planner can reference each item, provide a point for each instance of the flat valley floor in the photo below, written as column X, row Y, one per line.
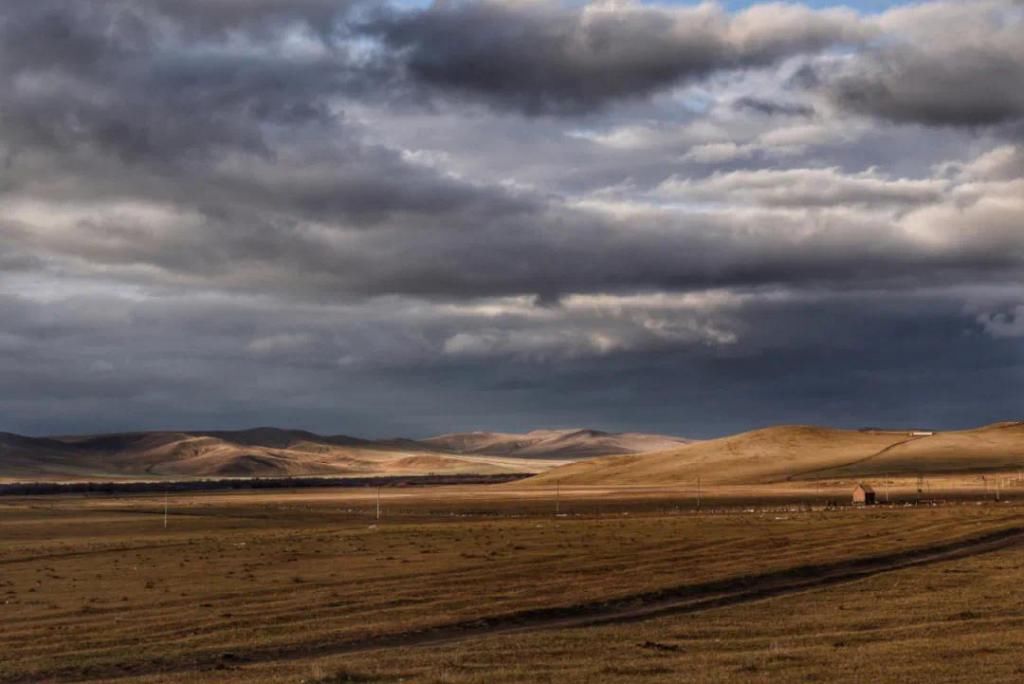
column 487, row 584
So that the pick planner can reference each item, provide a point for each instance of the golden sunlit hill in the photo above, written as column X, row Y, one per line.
column 795, row 453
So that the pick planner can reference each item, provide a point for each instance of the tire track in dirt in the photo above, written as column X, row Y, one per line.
column 679, row 600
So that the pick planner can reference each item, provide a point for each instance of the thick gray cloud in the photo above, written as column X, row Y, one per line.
column 222, row 213
column 953, row 64
column 548, row 57
column 141, row 82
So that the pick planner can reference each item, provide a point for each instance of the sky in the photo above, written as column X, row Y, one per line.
column 406, row 218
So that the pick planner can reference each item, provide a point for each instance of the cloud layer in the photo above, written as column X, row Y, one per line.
column 545, row 57
column 361, row 217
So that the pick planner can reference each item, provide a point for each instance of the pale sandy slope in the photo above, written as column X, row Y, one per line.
column 784, row 453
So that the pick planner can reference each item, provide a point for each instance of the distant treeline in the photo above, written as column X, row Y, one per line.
column 31, row 488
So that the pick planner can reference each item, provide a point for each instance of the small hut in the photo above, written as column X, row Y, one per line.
column 863, row 495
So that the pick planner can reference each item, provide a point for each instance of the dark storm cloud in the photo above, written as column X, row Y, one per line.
column 546, row 57
column 956, row 89
column 795, row 359
column 124, row 79
column 945, row 64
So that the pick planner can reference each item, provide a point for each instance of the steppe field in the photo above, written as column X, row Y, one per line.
column 489, row 584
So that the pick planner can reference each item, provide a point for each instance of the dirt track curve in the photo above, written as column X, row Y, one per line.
column 679, row 600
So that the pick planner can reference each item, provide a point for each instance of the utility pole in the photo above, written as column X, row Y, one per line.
column 378, row 502
column 165, row 509
column 698, row 493
column 558, row 497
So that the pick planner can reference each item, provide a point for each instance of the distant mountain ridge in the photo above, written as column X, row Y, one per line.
column 277, row 452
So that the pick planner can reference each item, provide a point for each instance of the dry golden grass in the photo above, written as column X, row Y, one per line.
column 952, row 622
column 781, row 454
column 272, row 586
column 993, row 449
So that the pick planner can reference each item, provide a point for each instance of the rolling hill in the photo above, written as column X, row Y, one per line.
column 273, row 452
column 572, row 457
column 795, row 453
column 573, row 444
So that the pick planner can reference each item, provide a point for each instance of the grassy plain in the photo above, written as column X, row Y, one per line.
column 483, row 584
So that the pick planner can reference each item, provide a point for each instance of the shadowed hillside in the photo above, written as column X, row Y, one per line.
column 553, row 443
column 264, row 452
column 785, row 453
column 273, row 452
